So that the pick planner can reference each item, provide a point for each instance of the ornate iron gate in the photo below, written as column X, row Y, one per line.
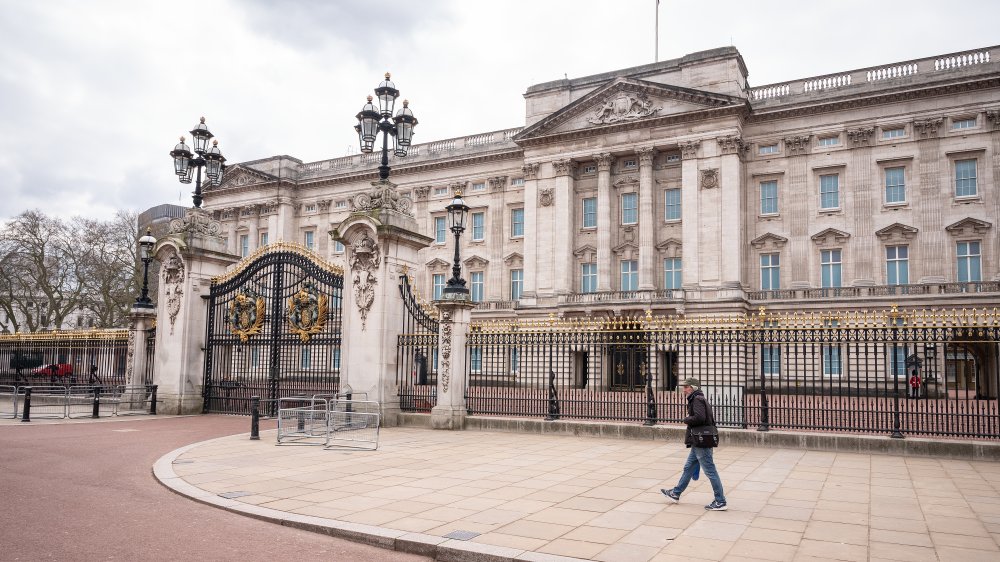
column 416, row 353
column 274, row 330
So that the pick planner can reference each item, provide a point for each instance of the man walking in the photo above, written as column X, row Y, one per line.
column 699, row 416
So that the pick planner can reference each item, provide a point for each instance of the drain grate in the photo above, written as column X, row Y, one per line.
column 462, row 535
column 233, row 495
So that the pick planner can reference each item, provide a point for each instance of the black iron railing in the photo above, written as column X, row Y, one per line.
column 829, row 372
column 416, row 353
column 65, row 358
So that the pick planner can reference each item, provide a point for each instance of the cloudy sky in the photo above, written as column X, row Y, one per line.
column 94, row 94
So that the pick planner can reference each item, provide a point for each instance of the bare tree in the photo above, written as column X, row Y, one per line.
column 112, row 278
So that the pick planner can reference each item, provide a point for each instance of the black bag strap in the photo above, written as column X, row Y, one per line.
column 708, row 410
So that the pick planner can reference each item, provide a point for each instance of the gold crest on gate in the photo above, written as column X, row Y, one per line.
column 307, row 311
column 246, row 315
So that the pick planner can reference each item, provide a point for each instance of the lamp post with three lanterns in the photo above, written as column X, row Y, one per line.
column 210, row 158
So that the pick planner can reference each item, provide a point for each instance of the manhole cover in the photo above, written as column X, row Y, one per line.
column 462, row 535
column 232, row 495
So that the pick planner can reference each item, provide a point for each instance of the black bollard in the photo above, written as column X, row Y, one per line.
column 255, row 418
column 152, row 400
column 97, row 403
column 26, row 414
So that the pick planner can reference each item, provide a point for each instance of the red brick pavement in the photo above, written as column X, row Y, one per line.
column 85, row 491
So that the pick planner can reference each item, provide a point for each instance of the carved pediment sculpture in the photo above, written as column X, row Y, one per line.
column 514, row 260
column 626, row 251
column 476, row 262
column 438, row 264
column 586, row 253
column 172, row 278
column 968, row 227
column 769, row 241
column 710, row 178
column 196, row 220
column 626, row 181
column 896, row 232
column 670, row 248
column 624, row 106
column 382, row 195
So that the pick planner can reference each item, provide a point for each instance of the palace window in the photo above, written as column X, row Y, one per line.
column 965, row 123
column 969, row 262
column 479, row 186
column 477, row 286
column 439, row 191
column 965, row 178
column 893, row 133
column 897, row 265
column 263, row 239
column 309, row 239
column 311, row 208
column 341, row 204
column 516, row 222
column 895, row 185
column 829, row 141
column 244, row 245
column 770, row 356
column 438, row 281
column 672, row 204
column 769, row 149
column 830, row 268
column 338, row 247
column 476, row 359
column 672, row 274
column 769, row 197
column 829, row 191
column 590, row 169
column 440, row 232
column 588, row 278
column 478, row 226
column 590, row 212
column 832, row 364
column 630, row 163
column 516, row 284
column 630, row 208
column 770, row 272
column 629, row 275
column 517, row 182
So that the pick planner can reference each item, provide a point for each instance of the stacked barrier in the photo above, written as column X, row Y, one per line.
column 328, row 421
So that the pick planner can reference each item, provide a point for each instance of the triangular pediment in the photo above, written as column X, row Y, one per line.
column 476, row 262
column 240, row 176
column 769, row 241
column 586, row 253
column 625, row 101
column 896, row 232
column 830, row 237
column 513, row 259
column 968, row 227
column 437, row 264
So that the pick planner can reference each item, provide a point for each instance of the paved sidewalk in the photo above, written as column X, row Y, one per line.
column 524, row 497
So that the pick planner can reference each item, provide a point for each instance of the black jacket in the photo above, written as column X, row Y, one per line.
column 699, row 413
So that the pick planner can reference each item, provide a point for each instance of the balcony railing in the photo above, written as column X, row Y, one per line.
column 618, row 296
column 498, row 305
column 877, row 291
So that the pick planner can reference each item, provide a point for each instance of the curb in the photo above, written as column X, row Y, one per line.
column 842, row 443
column 438, row 548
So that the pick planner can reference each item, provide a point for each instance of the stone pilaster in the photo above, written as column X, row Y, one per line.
column 141, row 319
column 647, row 220
column 530, row 232
column 604, row 225
column 496, row 286
column 690, row 206
column 450, row 411
column 862, row 195
column 563, row 215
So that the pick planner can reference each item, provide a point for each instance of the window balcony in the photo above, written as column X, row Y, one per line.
column 877, row 291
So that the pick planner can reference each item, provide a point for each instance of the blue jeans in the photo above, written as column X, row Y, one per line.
column 704, row 458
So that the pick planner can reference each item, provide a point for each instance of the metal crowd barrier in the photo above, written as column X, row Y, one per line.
column 83, row 401
column 8, row 401
column 328, row 421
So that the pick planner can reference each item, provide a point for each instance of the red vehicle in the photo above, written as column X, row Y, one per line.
column 59, row 373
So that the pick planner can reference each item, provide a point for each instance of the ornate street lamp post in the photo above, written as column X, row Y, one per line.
column 372, row 119
column 457, row 212
column 210, row 158
column 146, row 244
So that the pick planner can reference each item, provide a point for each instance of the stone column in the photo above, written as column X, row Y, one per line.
column 496, row 287
column 689, row 204
column 936, row 189
column 141, row 319
column 604, row 225
column 647, row 220
column 863, row 195
column 190, row 256
column 381, row 240
column 530, row 232
column 450, row 411
column 729, row 209
column 563, row 198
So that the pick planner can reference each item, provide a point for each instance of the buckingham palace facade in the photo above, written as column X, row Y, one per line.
column 677, row 187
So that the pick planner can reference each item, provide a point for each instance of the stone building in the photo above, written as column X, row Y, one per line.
column 677, row 187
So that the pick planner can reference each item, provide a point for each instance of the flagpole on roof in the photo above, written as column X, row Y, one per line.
column 656, row 52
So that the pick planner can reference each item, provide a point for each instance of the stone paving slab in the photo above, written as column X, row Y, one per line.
column 511, row 496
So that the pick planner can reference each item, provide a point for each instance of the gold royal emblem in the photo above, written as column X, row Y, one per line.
column 307, row 311
column 246, row 315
